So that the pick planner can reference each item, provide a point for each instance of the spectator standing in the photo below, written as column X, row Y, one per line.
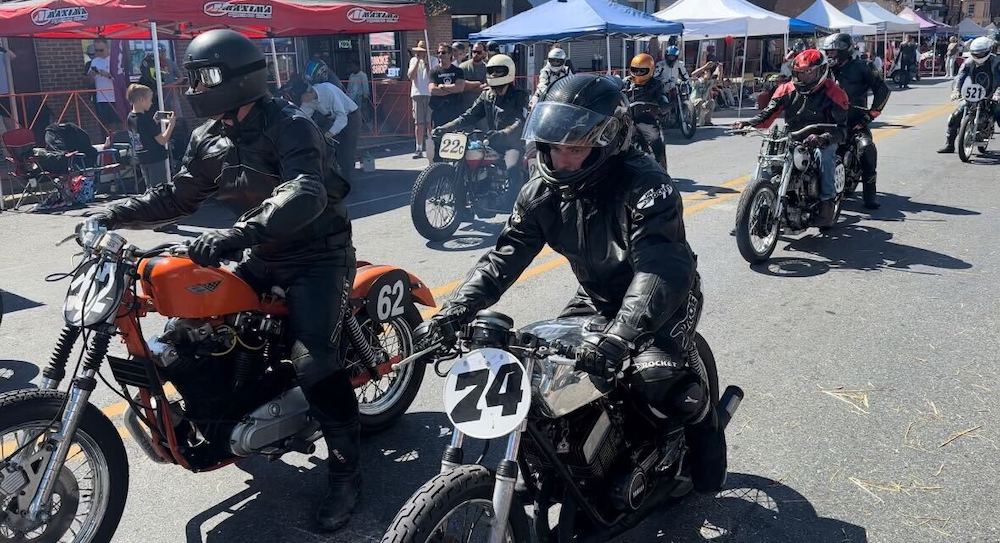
column 419, row 72
column 334, row 112
column 148, row 138
column 951, row 56
column 703, row 93
column 458, row 53
column 447, row 85
column 359, row 90
column 100, row 72
column 474, row 70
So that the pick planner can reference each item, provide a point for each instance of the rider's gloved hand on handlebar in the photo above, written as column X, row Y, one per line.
column 602, row 355
column 437, row 132
column 442, row 327
column 100, row 220
column 817, row 140
column 738, row 125
column 213, row 247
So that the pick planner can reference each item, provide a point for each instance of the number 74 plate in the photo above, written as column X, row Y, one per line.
column 487, row 394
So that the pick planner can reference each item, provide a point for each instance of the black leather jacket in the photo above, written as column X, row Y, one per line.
column 857, row 77
column 625, row 243
column 826, row 105
column 503, row 113
column 274, row 167
column 986, row 74
column 650, row 93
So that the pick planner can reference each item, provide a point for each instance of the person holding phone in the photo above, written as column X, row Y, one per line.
column 148, row 135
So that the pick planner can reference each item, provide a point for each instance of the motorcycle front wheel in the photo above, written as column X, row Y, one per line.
column 91, row 489
column 756, row 229
column 966, row 137
column 437, row 201
column 686, row 115
column 456, row 505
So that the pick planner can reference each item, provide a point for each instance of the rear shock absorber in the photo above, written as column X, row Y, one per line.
column 366, row 352
column 55, row 371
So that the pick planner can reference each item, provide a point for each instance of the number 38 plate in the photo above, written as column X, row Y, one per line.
column 453, row 146
column 487, row 394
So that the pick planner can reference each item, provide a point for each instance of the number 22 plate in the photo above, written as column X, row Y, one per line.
column 453, row 146
column 487, row 393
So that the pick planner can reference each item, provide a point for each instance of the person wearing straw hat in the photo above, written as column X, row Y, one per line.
column 419, row 73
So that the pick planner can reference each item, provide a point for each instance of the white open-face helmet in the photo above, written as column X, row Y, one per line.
column 980, row 49
column 500, row 71
column 557, row 53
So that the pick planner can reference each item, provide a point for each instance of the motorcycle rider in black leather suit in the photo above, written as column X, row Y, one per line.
column 647, row 102
column 503, row 106
column 858, row 77
column 982, row 68
column 263, row 158
column 613, row 212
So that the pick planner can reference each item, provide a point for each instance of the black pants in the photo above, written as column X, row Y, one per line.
column 904, row 77
column 868, row 155
column 347, row 145
column 317, row 290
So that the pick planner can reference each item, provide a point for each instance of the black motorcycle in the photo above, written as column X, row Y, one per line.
column 978, row 121
column 850, row 153
column 783, row 196
column 575, row 440
column 470, row 180
column 648, row 130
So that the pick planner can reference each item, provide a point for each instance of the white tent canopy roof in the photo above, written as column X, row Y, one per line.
column 713, row 19
column 968, row 27
column 823, row 13
column 874, row 14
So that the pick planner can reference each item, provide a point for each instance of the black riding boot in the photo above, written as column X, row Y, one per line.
column 870, row 195
column 708, row 453
column 949, row 145
column 343, row 443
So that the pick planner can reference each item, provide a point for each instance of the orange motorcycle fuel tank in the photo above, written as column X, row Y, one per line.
column 180, row 288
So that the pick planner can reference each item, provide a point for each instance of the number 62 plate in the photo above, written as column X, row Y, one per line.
column 487, row 394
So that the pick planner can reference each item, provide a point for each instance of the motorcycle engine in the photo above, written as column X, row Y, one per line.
column 223, row 370
column 587, row 441
column 491, row 184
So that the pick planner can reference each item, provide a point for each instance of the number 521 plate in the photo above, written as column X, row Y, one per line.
column 487, row 394
column 453, row 146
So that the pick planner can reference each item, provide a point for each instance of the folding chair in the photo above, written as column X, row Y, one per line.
column 18, row 146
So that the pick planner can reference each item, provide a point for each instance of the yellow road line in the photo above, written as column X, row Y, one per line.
column 698, row 205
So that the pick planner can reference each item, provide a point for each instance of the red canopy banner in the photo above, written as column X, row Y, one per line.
column 181, row 19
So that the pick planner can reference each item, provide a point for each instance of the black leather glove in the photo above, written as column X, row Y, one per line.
column 491, row 134
column 442, row 327
column 213, row 247
column 817, row 140
column 437, row 132
column 602, row 355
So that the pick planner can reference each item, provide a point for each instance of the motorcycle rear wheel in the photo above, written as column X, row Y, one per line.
column 758, row 193
column 966, row 138
column 28, row 412
column 435, row 507
column 381, row 410
column 438, row 185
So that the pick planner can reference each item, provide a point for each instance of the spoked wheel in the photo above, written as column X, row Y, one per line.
column 966, row 137
column 382, row 402
column 839, row 185
column 455, row 506
column 687, row 120
column 90, row 490
column 756, row 226
column 436, row 202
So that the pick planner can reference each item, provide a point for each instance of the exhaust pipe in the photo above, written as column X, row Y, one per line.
column 728, row 404
column 140, row 436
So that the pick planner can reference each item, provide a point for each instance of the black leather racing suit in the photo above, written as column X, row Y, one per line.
column 646, row 105
column 277, row 170
column 626, row 245
column 504, row 115
column 857, row 78
column 986, row 75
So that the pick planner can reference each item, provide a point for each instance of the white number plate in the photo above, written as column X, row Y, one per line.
column 453, row 146
column 487, row 394
column 973, row 92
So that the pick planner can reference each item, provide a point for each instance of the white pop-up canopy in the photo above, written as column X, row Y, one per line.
column 969, row 29
column 713, row 19
column 886, row 21
column 823, row 13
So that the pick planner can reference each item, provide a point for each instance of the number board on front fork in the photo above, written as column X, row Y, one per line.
column 487, row 394
column 389, row 296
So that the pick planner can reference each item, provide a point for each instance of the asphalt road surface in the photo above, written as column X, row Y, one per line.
column 868, row 355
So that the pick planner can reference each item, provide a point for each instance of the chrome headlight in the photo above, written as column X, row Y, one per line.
column 802, row 158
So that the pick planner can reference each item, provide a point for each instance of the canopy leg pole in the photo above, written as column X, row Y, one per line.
column 607, row 41
column 159, row 85
column 274, row 60
column 10, row 84
column 743, row 75
column 624, row 62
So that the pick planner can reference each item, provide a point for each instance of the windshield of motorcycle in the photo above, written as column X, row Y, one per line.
column 95, row 292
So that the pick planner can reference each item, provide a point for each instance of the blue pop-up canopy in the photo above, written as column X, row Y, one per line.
column 565, row 19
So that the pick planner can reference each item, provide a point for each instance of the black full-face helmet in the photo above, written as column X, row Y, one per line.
column 583, row 110
column 225, row 71
column 838, row 49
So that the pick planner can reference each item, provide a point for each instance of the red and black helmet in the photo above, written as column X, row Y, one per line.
column 809, row 70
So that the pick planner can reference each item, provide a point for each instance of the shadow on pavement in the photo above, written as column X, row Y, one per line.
column 684, row 184
column 12, row 302
column 896, row 207
column 16, row 374
column 476, row 236
column 280, row 499
column 752, row 509
column 791, row 267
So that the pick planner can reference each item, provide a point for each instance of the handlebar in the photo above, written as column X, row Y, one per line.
column 807, row 130
column 556, row 351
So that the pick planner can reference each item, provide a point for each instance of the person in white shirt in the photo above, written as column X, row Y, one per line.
column 335, row 112
column 419, row 73
column 100, row 72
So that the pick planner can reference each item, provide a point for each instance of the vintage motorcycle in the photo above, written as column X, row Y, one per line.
column 978, row 121
column 214, row 387
column 851, row 152
column 648, row 137
column 783, row 193
column 471, row 180
column 571, row 439
column 680, row 114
